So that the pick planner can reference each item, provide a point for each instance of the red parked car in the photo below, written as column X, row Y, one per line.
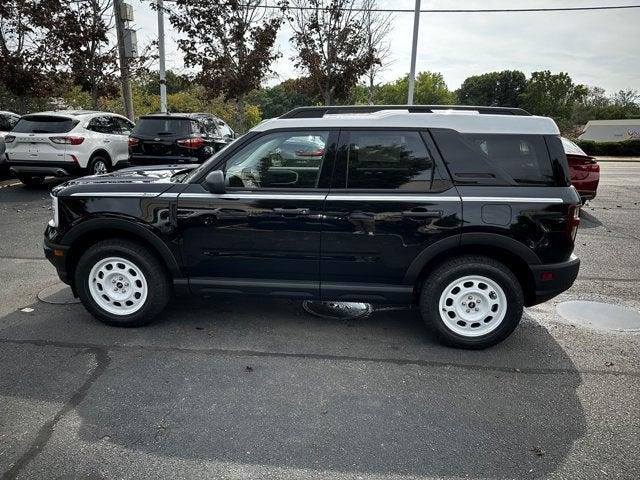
column 584, row 170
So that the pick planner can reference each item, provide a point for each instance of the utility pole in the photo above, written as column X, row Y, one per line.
column 163, row 79
column 414, row 48
column 125, row 78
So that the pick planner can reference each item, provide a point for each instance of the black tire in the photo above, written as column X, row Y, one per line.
column 96, row 161
column 155, row 275
column 470, row 265
column 31, row 180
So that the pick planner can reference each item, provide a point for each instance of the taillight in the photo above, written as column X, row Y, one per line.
column 67, row 140
column 194, row 142
column 9, row 138
column 573, row 221
column 134, row 142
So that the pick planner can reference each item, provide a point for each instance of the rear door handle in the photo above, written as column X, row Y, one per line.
column 422, row 213
column 292, row 211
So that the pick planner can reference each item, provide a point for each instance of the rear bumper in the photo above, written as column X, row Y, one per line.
column 44, row 168
column 139, row 159
column 553, row 279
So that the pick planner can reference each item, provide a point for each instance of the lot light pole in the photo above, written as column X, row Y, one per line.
column 161, row 54
column 414, row 48
column 125, row 79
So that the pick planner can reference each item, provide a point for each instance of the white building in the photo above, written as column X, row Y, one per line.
column 611, row 130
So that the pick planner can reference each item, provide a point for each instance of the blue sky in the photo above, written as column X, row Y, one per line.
column 595, row 47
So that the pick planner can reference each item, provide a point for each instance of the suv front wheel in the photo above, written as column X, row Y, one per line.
column 121, row 283
column 471, row 302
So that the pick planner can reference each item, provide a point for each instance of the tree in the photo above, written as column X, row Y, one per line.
column 430, row 89
column 502, row 89
column 31, row 49
column 231, row 41
column 93, row 65
column 376, row 26
column 279, row 99
column 552, row 95
column 331, row 46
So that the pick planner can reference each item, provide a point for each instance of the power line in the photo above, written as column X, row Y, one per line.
column 458, row 10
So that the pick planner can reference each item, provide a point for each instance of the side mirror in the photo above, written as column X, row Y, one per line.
column 214, row 182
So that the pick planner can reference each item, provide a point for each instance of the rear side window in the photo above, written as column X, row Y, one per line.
column 103, row 125
column 496, row 159
column 165, row 126
column 394, row 160
column 44, row 124
column 7, row 122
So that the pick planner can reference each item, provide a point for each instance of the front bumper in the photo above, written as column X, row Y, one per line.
column 553, row 279
column 57, row 255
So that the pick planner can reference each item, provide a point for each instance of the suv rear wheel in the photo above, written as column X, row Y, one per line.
column 99, row 165
column 471, row 302
column 121, row 283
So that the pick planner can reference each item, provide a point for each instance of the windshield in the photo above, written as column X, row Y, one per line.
column 163, row 126
column 44, row 124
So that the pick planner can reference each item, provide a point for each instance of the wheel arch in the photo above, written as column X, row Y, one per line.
column 100, row 152
column 90, row 232
column 516, row 256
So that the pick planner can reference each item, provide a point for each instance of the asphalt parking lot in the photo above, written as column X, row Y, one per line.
column 222, row 388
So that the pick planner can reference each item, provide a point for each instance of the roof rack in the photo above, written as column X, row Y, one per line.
column 319, row 112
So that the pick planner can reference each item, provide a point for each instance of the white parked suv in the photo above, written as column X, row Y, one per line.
column 65, row 143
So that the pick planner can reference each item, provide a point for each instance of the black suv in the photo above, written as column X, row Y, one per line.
column 160, row 139
column 467, row 213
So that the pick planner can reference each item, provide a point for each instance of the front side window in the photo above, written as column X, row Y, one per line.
column 102, row 125
column 125, row 127
column 225, row 131
column 394, row 160
column 279, row 160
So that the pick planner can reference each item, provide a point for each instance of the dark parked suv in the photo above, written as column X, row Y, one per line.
column 160, row 139
column 466, row 213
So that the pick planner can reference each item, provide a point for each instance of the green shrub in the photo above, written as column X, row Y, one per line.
column 626, row 148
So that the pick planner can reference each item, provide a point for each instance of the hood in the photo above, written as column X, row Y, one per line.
column 128, row 177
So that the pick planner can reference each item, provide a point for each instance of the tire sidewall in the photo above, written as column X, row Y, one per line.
column 434, row 287
column 96, row 159
column 156, row 285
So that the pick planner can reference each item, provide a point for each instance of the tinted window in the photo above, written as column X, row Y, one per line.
column 7, row 122
column 387, row 160
column 212, row 128
column 125, row 127
column 279, row 160
column 164, row 126
column 225, row 131
column 495, row 159
column 102, row 125
column 44, row 124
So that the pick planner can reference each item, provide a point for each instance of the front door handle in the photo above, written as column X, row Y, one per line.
column 291, row 211
column 422, row 213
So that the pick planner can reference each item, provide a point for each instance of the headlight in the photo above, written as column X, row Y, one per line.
column 54, row 211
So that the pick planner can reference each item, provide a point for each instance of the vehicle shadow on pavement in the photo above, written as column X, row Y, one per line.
column 260, row 382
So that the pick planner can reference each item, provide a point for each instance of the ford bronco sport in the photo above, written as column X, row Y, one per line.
column 465, row 212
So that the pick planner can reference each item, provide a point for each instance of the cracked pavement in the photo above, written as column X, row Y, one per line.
column 260, row 389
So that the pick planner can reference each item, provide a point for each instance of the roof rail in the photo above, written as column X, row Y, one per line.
column 319, row 112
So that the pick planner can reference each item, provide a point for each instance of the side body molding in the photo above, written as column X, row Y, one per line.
column 131, row 227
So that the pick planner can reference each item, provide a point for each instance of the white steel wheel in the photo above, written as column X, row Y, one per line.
column 473, row 306
column 118, row 286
